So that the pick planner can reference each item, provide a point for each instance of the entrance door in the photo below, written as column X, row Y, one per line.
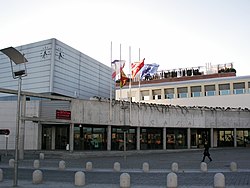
column 55, row 137
column 46, row 138
column 62, row 137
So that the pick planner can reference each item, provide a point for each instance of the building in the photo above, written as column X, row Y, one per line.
column 57, row 69
column 214, row 89
column 62, row 112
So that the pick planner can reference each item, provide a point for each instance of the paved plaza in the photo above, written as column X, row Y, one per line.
column 103, row 175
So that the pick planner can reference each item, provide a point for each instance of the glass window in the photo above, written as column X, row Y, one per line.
column 118, row 139
column 239, row 88
column 195, row 91
column 196, row 94
column 182, row 92
column 224, row 89
column 210, row 90
column 145, row 95
column 210, row 93
column 224, row 92
column 239, row 91
column 155, row 97
column 169, row 96
column 182, row 95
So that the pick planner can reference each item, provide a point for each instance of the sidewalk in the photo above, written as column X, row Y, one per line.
column 103, row 175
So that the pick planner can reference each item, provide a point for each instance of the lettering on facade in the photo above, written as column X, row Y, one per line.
column 62, row 114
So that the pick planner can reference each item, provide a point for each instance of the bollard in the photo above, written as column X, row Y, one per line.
column 1, row 175
column 219, row 180
column 89, row 166
column 117, row 167
column 203, row 167
column 145, row 167
column 36, row 164
column 233, row 166
column 37, row 177
column 11, row 163
column 172, row 180
column 79, row 178
column 174, row 167
column 62, row 165
column 41, row 156
column 124, row 180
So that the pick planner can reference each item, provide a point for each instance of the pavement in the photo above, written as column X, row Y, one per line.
column 103, row 175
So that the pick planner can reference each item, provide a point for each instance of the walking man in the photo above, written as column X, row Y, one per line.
column 206, row 152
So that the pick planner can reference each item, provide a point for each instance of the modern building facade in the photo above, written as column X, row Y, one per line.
column 57, row 69
column 64, row 107
column 212, row 90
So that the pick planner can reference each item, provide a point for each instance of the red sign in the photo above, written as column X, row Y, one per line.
column 61, row 114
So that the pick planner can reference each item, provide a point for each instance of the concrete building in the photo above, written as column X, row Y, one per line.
column 59, row 110
column 212, row 90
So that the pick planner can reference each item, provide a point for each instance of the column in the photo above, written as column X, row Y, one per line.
column 138, row 140
column 164, row 138
column 212, row 137
column 71, row 137
column 189, row 92
column 40, row 136
column 189, row 138
column 53, row 139
column 231, row 87
column 109, row 138
column 22, row 128
column 235, row 137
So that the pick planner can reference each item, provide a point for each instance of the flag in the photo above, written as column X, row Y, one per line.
column 123, row 79
column 117, row 66
column 136, row 67
column 149, row 69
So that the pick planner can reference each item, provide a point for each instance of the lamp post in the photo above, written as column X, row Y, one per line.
column 18, row 71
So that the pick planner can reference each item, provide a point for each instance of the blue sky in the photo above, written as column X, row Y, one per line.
column 172, row 33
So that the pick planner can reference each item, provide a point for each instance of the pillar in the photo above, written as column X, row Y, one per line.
column 212, row 137
column 40, row 136
column 164, row 138
column 109, row 138
column 138, row 140
column 22, row 128
column 53, row 139
column 189, row 138
column 71, row 137
column 235, row 137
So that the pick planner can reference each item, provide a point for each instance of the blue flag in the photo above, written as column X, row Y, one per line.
column 149, row 70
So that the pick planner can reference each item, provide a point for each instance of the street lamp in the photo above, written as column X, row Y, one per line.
column 18, row 71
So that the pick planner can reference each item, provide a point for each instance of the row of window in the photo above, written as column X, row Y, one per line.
column 209, row 90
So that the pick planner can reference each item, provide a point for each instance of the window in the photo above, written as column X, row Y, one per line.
column 169, row 93
column 210, row 93
column 224, row 89
column 182, row 92
column 239, row 88
column 156, row 94
column 144, row 95
column 169, row 96
column 210, row 90
column 195, row 91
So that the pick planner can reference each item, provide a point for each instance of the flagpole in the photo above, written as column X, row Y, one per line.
column 139, row 89
column 120, row 71
column 130, row 80
column 111, row 80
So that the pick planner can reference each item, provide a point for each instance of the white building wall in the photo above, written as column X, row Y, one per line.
column 8, row 121
column 54, row 67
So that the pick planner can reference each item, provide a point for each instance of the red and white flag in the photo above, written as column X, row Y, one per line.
column 136, row 67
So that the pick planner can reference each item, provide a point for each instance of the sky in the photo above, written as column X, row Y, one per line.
column 172, row 33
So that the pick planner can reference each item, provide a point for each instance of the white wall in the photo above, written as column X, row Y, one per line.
column 8, row 121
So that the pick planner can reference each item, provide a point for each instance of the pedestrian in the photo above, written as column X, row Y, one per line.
column 206, row 152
